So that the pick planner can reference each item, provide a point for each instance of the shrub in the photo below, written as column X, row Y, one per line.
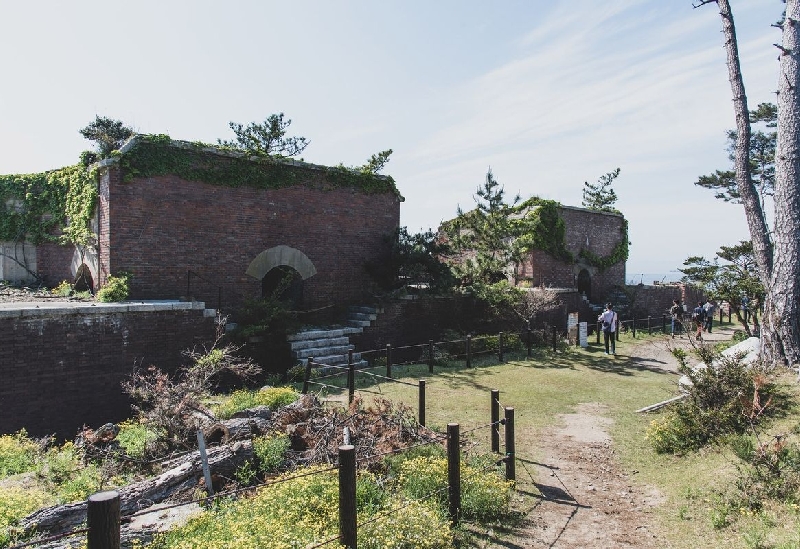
column 15, row 504
column 17, row 454
column 270, row 452
column 115, row 289
column 64, row 289
column 136, row 438
column 724, row 398
column 272, row 397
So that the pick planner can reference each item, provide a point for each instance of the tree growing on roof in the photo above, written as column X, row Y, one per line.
column 267, row 138
column 107, row 134
column 600, row 196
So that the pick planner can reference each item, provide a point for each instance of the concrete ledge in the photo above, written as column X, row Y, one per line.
column 33, row 309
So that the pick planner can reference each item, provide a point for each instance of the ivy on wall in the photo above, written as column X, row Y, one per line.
column 538, row 226
column 54, row 206
column 618, row 254
column 155, row 155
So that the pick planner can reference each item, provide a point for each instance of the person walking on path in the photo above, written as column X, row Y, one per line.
column 676, row 312
column 708, row 311
column 608, row 318
column 699, row 320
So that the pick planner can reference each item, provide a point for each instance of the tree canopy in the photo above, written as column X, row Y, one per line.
column 267, row 138
column 107, row 134
column 600, row 196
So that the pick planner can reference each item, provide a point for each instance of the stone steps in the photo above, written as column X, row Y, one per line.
column 331, row 346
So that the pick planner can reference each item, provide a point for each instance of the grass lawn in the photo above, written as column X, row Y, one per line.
column 549, row 384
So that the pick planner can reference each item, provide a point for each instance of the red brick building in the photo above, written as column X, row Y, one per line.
column 193, row 221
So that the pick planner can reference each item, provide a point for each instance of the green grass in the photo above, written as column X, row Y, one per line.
column 551, row 384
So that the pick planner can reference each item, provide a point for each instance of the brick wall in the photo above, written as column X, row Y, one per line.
column 656, row 300
column 62, row 367
column 597, row 232
column 160, row 228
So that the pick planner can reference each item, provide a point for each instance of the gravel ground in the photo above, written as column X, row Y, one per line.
column 23, row 294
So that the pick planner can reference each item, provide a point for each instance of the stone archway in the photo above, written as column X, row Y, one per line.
column 83, row 280
column 584, row 283
column 273, row 266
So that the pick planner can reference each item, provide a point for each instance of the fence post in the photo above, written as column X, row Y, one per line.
column 351, row 377
column 511, row 471
column 530, row 340
column 430, row 356
column 729, row 313
column 421, row 403
column 649, row 329
column 469, row 351
column 307, row 375
column 663, row 324
column 453, row 473
column 388, row 360
column 633, row 327
column 555, row 341
column 201, row 447
column 616, row 333
column 500, row 347
column 347, row 496
column 102, row 518
column 495, row 411
column 598, row 332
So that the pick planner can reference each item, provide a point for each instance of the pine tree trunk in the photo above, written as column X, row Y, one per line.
column 781, row 319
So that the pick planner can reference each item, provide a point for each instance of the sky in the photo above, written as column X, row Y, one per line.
column 548, row 94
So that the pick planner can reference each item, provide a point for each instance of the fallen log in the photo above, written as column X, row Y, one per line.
column 223, row 461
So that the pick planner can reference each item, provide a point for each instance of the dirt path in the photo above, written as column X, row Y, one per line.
column 581, row 496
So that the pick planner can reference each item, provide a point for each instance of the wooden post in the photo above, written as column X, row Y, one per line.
column 633, row 327
column 663, row 324
column 530, row 340
column 616, row 332
column 511, row 471
column 347, row 496
column 421, row 403
column 729, row 314
column 307, row 375
column 555, row 340
column 469, row 351
column 102, row 518
column 388, row 360
column 598, row 332
column 351, row 377
column 500, row 347
column 649, row 328
column 430, row 356
column 495, row 411
column 453, row 473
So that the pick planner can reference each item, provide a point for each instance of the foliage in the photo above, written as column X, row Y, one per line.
column 172, row 406
column 302, row 511
column 64, row 289
column 535, row 301
column 600, row 196
column 107, row 134
column 115, row 289
column 617, row 255
column 262, row 327
column 270, row 452
column 484, row 496
column 730, row 281
column 17, row 453
column 762, row 159
column 413, row 260
column 15, row 504
column 725, row 397
column 267, row 138
column 242, row 399
column 136, row 438
column 37, row 207
column 376, row 162
column 157, row 155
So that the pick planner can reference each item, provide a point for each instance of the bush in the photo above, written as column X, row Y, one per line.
column 272, row 397
column 64, row 289
column 17, row 454
column 15, row 504
column 724, row 398
column 270, row 452
column 136, row 438
column 115, row 289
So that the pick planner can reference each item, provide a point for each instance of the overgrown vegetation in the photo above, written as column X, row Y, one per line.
column 115, row 289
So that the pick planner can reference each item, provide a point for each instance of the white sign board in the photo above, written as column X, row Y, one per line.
column 572, row 320
column 583, row 331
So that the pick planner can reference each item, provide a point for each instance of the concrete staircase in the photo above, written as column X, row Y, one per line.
column 331, row 346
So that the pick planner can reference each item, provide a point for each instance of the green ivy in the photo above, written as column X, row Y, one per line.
column 618, row 254
column 156, row 155
column 540, row 227
column 36, row 207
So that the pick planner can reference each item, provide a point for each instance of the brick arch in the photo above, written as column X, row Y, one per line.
column 279, row 256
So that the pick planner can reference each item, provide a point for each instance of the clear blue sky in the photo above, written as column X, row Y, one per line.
column 549, row 93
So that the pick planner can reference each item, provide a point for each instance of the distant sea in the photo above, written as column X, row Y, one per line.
column 650, row 278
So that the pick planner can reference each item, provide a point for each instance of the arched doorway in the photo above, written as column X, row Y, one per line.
column 585, row 283
column 83, row 280
column 284, row 283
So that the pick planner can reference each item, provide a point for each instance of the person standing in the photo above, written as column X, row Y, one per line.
column 708, row 311
column 676, row 312
column 608, row 318
column 698, row 318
